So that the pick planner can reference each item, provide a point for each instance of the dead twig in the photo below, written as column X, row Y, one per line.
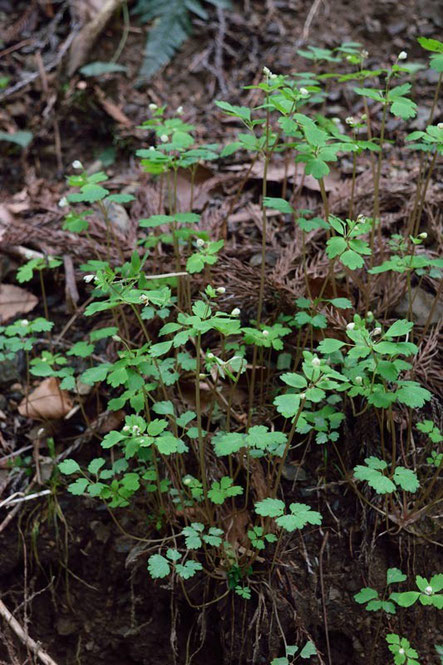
column 24, row 637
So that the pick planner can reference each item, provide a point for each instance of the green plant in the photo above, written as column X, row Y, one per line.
column 402, row 650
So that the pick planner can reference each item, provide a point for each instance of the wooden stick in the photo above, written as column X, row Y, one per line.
column 24, row 637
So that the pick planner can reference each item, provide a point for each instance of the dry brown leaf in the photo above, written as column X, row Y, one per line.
column 277, row 173
column 47, row 401
column 112, row 109
column 14, row 300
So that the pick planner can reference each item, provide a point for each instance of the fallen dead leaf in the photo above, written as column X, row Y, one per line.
column 293, row 172
column 14, row 300
column 47, row 401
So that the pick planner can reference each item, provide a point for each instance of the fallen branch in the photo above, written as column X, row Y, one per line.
column 24, row 637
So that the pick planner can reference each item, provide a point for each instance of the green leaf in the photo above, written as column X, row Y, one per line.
column 380, row 483
column 287, row 405
column 399, row 328
column 294, row 380
column 412, row 394
column 406, row 479
column 277, row 204
column 270, row 507
column 394, row 575
column 96, row 464
column 81, row 350
column 330, row 345
column 365, row 595
column 242, row 112
column 430, row 44
column 69, row 466
column 301, row 515
column 220, row 491
column 165, row 408
column 308, row 650
column 188, row 569
column 226, row 443
column 405, row 599
column 341, row 303
column 158, row 566
column 99, row 68
column 21, row 138
column 78, row 488
column 335, row 246
column 352, row 260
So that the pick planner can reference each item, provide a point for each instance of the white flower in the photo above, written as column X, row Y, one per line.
column 377, row 331
column 200, row 242
column 24, row 322
column 336, row 120
column 370, row 315
column 88, row 278
column 350, row 326
column 187, row 480
column 267, row 71
column 76, row 164
column 402, row 55
column 350, row 121
column 423, row 235
column 358, row 380
column 221, row 289
column 316, row 361
column 265, row 333
column 63, row 202
column 164, row 138
column 440, row 125
column 302, row 395
column 401, row 650
column 210, row 355
column 429, row 590
column 136, row 429
column 116, row 338
column 272, row 76
column 364, row 53
column 152, row 148
column 361, row 218
column 153, row 107
column 179, row 110
column 126, row 428
column 144, row 299
column 304, row 92
column 235, row 312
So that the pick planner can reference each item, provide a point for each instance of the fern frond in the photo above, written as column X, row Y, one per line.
column 172, row 26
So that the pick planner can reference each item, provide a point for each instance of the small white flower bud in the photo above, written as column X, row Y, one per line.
column 265, row 333
column 235, row 312
column 402, row 55
column 364, row 53
column 179, row 110
column 164, row 138
column 440, row 125
column 200, row 242
column 144, row 299
column 266, row 71
column 401, row 651
column 153, row 107
column 24, row 322
column 273, row 76
column 88, row 278
column 210, row 355
column 316, row 361
column 116, row 338
column 350, row 326
column 423, row 235
column 370, row 315
column 126, row 428
column 361, row 218
column 304, row 92
column 302, row 395
column 350, row 121
column 152, row 148
column 358, row 380
column 63, row 202
column 377, row 331
column 429, row 590
column 187, row 481
column 221, row 290
column 77, row 164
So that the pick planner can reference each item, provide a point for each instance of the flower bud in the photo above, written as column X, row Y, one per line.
column 179, row 110
column 24, row 322
column 358, row 380
column 88, row 278
column 221, row 290
column 401, row 651
column 266, row 71
column 164, row 138
column 377, row 331
column 210, row 355
column 153, row 107
column 116, row 338
column 76, row 164
column 200, row 242
column 316, row 361
column 265, row 333
column 402, row 55
column 350, row 121
column 423, row 235
column 302, row 395
column 235, row 312
column 63, row 202
column 304, row 92
column 440, row 125
column 364, row 53
column 350, row 326
column 429, row 590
